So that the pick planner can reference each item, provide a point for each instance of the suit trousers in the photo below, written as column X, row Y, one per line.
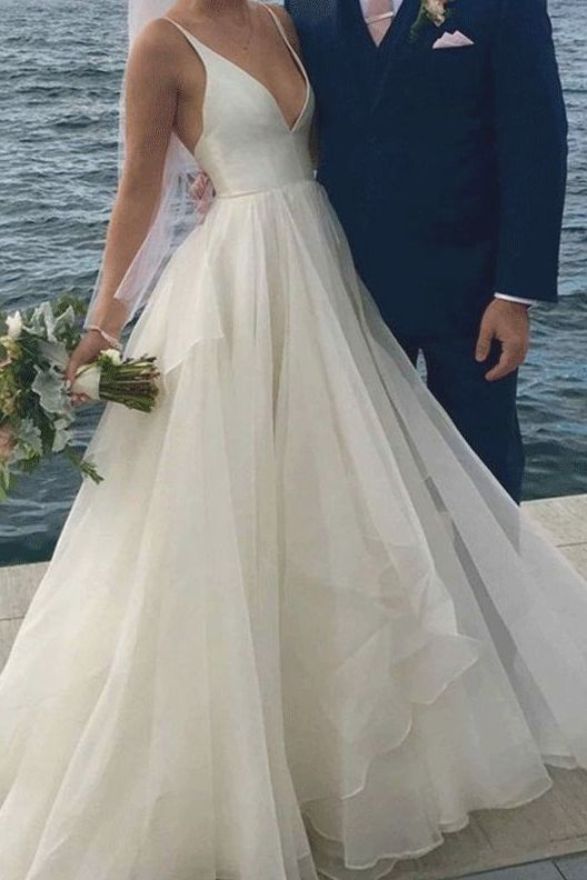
column 484, row 412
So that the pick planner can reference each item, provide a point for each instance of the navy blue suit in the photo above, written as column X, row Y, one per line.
column 447, row 169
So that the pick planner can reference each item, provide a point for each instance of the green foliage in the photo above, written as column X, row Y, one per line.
column 34, row 407
column 36, row 415
column 86, row 467
column 426, row 17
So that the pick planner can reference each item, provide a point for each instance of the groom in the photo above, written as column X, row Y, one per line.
column 442, row 135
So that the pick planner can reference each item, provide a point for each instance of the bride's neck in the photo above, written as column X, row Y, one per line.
column 211, row 7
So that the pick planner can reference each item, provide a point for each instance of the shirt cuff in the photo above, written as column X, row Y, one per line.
column 517, row 299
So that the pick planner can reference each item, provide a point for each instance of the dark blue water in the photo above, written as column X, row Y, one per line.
column 60, row 71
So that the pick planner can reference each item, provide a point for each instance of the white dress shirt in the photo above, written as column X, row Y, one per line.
column 394, row 6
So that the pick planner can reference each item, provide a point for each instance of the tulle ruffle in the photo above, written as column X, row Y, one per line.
column 299, row 627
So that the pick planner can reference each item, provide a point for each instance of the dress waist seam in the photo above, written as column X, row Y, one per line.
column 241, row 194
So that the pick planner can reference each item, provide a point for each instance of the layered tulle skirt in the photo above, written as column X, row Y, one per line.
column 299, row 627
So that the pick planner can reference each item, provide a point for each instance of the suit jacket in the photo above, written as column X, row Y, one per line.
column 447, row 167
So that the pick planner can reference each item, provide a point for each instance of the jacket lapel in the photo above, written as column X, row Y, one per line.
column 396, row 44
column 356, row 44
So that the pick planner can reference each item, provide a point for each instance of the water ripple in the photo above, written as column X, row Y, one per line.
column 60, row 69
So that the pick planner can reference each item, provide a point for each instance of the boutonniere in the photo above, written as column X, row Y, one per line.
column 435, row 11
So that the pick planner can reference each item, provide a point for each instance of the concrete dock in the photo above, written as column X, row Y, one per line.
column 547, row 840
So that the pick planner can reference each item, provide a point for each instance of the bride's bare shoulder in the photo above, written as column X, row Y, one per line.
column 287, row 22
column 157, row 52
column 157, row 42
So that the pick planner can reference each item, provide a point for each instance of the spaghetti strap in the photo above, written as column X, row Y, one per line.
column 208, row 56
column 198, row 46
column 180, row 27
column 287, row 41
column 278, row 24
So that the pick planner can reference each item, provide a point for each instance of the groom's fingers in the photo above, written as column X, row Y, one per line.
column 486, row 334
column 506, row 323
column 512, row 356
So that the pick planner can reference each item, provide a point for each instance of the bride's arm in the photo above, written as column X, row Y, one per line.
column 150, row 105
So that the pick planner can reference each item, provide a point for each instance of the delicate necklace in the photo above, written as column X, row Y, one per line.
column 246, row 45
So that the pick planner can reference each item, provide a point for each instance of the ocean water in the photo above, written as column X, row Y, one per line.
column 60, row 71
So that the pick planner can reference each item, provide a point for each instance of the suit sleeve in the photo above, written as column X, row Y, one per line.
column 531, row 137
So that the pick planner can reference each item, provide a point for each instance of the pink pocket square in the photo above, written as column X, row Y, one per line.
column 452, row 41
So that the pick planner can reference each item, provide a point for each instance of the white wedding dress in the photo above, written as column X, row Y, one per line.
column 299, row 628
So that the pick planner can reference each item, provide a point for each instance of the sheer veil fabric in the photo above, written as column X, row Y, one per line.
column 299, row 629
column 178, row 211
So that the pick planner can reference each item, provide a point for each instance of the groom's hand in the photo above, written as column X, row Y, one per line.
column 508, row 323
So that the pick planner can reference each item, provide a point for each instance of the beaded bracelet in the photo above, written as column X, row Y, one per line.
column 112, row 340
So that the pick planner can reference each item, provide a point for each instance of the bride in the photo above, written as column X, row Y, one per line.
column 299, row 629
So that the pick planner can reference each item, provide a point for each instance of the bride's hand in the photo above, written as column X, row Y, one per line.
column 202, row 192
column 90, row 346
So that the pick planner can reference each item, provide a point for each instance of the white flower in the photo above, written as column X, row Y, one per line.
column 113, row 355
column 87, row 381
column 436, row 10
column 14, row 324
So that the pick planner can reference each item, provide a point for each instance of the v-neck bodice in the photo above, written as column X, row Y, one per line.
column 247, row 144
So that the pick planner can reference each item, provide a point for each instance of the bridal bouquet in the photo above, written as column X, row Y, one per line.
column 36, row 414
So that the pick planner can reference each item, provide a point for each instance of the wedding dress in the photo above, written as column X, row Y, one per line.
column 299, row 628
